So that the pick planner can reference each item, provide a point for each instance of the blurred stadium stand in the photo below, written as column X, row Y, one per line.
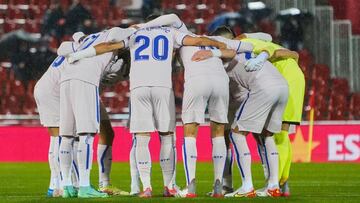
column 328, row 48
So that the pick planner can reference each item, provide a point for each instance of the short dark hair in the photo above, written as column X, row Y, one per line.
column 152, row 17
column 223, row 30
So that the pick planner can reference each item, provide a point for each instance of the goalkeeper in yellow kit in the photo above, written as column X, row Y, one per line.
column 286, row 62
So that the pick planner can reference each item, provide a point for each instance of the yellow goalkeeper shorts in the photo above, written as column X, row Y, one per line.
column 291, row 71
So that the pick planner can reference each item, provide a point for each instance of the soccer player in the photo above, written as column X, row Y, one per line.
column 286, row 62
column 152, row 99
column 47, row 97
column 80, row 110
column 260, row 113
column 46, row 93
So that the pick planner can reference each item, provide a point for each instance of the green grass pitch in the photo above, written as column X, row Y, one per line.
column 27, row 182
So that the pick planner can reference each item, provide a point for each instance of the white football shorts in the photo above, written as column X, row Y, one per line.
column 48, row 104
column 210, row 92
column 152, row 109
column 262, row 109
column 79, row 107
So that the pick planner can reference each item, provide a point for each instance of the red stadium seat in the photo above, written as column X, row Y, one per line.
column 321, row 71
column 15, row 87
column 355, row 106
column 338, row 107
column 340, row 86
column 305, row 58
column 12, row 105
column 29, row 105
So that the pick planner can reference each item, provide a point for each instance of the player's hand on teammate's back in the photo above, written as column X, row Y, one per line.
column 202, row 55
column 253, row 64
column 71, row 59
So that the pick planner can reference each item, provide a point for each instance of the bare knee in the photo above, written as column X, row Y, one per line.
column 191, row 129
column 217, row 129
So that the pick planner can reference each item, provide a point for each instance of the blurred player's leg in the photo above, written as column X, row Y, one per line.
column 134, row 173
column 282, row 142
column 53, row 158
column 272, row 157
column 218, row 156
column 163, row 103
column 84, row 100
column 67, row 126
column 285, row 157
column 167, row 161
column 143, row 162
column 141, row 124
column 104, row 155
column 243, row 158
column 65, row 157
column 75, row 165
column 261, row 151
column 190, row 157
column 227, row 176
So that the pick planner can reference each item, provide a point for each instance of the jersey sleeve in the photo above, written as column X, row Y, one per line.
column 236, row 45
column 178, row 38
column 117, row 34
column 67, row 48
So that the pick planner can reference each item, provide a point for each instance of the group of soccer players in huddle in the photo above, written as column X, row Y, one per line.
column 245, row 79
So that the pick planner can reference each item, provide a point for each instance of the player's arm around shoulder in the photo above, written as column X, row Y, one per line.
column 285, row 54
column 189, row 40
column 221, row 53
column 98, row 49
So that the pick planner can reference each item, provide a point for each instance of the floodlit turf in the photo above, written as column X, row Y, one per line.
column 27, row 182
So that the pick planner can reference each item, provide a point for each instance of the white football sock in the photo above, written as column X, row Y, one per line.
column 65, row 156
column 167, row 159
column 272, row 157
column 85, row 156
column 143, row 160
column 218, row 157
column 104, row 159
column 261, row 152
column 227, row 176
column 243, row 158
column 75, row 167
column 135, row 176
column 173, row 180
column 57, row 160
column 52, row 162
column 189, row 158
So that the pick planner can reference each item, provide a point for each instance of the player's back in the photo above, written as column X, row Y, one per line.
column 151, row 56
column 267, row 76
column 88, row 69
column 210, row 66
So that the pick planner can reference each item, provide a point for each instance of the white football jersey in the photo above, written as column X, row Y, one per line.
column 50, row 80
column 210, row 66
column 267, row 76
column 151, row 52
column 90, row 69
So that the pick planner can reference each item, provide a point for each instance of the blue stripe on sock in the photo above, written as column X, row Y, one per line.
column 231, row 162
column 267, row 160
column 102, row 159
column 237, row 156
column 185, row 161
column 87, row 156
column 97, row 105
column 258, row 148
column 76, row 169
